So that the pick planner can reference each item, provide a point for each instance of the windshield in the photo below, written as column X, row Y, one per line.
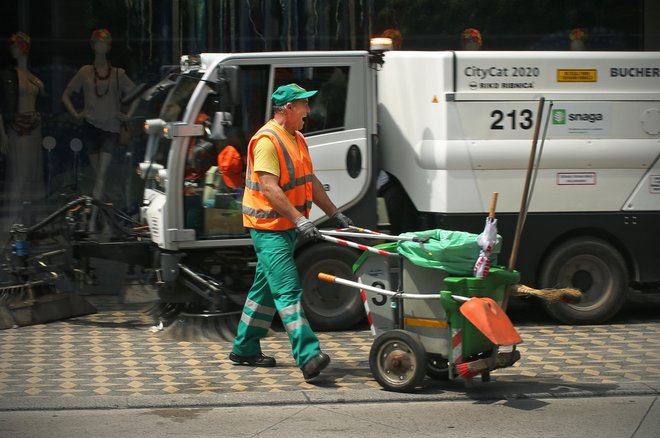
column 172, row 110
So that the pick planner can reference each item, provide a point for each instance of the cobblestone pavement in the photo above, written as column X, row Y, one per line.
column 114, row 353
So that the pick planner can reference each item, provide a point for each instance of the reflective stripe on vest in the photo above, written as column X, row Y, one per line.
column 257, row 211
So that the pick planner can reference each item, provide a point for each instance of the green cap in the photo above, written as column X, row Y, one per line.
column 289, row 93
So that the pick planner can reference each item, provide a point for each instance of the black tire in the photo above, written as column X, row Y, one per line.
column 400, row 209
column 329, row 306
column 437, row 367
column 597, row 269
column 398, row 361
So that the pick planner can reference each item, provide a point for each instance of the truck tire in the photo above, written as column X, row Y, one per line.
column 329, row 306
column 400, row 209
column 597, row 269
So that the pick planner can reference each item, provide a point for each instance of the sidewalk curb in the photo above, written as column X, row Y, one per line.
column 35, row 403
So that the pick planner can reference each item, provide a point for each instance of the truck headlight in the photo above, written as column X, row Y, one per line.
column 182, row 129
column 154, row 126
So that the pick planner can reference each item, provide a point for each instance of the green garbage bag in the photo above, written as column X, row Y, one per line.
column 453, row 251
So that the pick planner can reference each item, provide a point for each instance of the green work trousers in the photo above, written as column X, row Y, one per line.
column 276, row 287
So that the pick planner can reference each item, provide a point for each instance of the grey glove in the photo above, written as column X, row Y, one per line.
column 307, row 228
column 342, row 220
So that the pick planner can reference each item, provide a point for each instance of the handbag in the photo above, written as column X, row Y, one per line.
column 125, row 135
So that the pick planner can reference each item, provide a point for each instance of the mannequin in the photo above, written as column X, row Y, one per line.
column 471, row 39
column 102, row 86
column 395, row 36
column 578, row 39
column 20, row 129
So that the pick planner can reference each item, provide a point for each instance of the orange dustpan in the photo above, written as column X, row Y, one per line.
column 491, row 320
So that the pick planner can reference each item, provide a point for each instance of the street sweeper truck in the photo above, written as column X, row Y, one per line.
column 433, row 134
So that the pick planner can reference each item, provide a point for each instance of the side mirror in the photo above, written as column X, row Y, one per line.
column 220, row 121
column 228, row 84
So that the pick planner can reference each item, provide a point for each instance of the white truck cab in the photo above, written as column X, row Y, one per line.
column 190, row 210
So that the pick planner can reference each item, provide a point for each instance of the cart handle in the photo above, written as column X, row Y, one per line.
column 390, row 293
column 374, row 235
column 372, row 249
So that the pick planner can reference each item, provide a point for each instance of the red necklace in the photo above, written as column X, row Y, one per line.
column 97, row 76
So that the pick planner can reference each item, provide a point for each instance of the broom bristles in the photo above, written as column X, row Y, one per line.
column 553, row 295
column 468, row 370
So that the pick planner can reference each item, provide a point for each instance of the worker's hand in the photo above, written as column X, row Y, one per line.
column 307, row 228
column 342, row 220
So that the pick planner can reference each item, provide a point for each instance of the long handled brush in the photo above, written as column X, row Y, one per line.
column 568, row 295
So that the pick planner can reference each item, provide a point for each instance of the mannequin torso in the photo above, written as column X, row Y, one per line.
column 102, row 86
column 29, row 86
column 22, row 135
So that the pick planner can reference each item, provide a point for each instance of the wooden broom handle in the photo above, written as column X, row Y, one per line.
column 523, row 203
column 493, row 204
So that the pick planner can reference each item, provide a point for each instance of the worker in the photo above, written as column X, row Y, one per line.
column 232, row 167
column 280, row 187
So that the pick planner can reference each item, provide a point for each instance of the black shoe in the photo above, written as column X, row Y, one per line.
column 256, row 361
column 314, row 366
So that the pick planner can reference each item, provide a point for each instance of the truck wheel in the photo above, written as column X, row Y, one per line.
column 397, row 361
column 437, row 367
column 329, row 306
column 592, row 266
column 400, row 209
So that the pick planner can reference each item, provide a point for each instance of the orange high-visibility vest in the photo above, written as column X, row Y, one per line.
column 296, row 174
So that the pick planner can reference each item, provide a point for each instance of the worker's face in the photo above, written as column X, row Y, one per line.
column 298, row 110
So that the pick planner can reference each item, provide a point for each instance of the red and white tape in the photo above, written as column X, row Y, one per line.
column 457, row 345
column 359, row 246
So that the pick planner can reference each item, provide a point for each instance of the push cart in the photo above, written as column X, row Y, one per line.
column 425, row 321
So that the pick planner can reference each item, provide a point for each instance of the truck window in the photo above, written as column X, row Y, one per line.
column 329, row 104
column 172, row 110
column 215, row 169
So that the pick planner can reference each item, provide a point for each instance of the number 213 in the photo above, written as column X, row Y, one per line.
column 525, row 122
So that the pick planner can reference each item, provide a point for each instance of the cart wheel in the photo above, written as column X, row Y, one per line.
column 397, row 361
column 437, row 367
column 485, row 376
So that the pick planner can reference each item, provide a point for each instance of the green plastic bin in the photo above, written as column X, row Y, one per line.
column 493, row 286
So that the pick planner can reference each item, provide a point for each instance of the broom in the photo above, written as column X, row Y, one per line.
column 553, row 295
column 568, row 295
column 467, row 370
